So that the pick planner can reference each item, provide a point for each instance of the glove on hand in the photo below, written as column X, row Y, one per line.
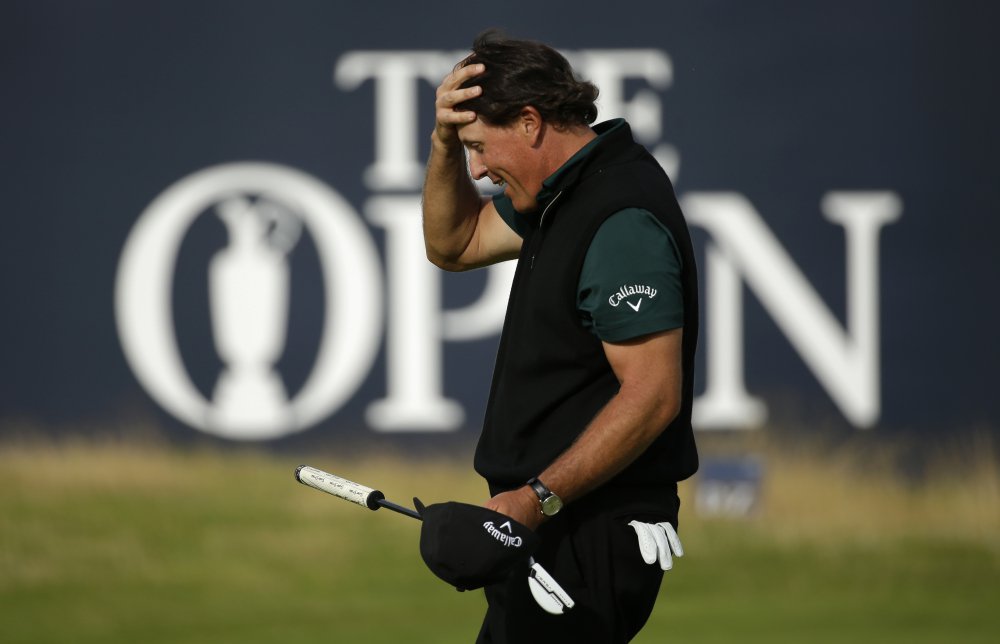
column 656, row 541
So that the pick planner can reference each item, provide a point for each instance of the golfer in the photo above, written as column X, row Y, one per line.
column 588, row 424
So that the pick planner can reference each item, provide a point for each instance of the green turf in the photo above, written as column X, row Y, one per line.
column 125, row 545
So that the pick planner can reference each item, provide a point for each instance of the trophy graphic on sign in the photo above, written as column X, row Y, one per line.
column 248, row 291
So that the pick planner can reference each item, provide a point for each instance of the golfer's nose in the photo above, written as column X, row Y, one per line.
column 476, row 166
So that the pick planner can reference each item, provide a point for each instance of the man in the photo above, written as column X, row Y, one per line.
column 588, row 425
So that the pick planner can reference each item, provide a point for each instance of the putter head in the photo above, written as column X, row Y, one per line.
column 547, row 592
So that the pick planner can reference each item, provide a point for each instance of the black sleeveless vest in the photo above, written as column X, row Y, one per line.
column 551, row 375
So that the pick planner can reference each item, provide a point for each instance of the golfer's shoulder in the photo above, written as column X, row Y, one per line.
column 632, row 235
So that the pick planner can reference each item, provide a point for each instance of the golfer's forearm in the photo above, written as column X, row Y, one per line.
column 451, row 205
column 618, row 435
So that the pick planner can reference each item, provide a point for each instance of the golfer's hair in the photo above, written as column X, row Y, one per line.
column 524, row 72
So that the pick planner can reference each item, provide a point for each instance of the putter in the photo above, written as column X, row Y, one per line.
column 544, row 588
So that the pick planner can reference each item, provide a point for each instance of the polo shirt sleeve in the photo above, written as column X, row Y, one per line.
column 630, row 283
column 511, row 217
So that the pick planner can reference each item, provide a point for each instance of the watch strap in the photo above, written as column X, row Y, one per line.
column 541, row 490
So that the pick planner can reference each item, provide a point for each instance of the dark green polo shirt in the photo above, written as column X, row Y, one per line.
column 630, row 283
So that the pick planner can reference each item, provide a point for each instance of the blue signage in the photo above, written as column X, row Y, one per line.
column 213, row 211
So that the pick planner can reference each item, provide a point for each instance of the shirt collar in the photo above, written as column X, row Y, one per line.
column 568, row 172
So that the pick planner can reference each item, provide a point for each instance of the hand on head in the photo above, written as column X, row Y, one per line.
column 451, row 93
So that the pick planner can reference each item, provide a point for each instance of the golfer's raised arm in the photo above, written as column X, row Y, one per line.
column 462, row 229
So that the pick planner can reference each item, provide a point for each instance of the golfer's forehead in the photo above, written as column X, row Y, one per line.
column 479, row 132
column 471, row 132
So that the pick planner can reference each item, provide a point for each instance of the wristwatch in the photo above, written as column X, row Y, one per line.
column 551, row 503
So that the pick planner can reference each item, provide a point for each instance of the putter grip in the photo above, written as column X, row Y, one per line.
column 342, row 488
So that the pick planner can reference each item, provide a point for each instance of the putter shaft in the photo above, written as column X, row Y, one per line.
column 398, row 508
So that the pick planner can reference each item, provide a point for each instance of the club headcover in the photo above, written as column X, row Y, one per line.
column 469, row 546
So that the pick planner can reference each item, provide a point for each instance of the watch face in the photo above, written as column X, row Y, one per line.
column 551, row 505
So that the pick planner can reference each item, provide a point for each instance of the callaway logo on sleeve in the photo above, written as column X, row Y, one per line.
column 630, row 281
column 627, row 291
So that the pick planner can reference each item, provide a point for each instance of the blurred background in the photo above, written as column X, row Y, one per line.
column 213, row 271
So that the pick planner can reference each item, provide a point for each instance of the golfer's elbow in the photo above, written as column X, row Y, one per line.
column 668, row 412
column 661, row 413
column 446, row 261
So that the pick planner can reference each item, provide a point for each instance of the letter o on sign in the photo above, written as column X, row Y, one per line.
column 353, row 315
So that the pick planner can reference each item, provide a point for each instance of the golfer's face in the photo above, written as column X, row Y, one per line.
column 502, row 155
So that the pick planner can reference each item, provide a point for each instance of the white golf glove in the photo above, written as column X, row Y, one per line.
column 657, row 541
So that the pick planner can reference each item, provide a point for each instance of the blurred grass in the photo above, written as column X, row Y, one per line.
column 118, row 541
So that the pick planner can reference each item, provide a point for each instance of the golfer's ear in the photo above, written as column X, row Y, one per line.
column 530, row 123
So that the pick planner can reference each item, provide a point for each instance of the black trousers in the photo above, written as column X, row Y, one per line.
column 593, row 553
